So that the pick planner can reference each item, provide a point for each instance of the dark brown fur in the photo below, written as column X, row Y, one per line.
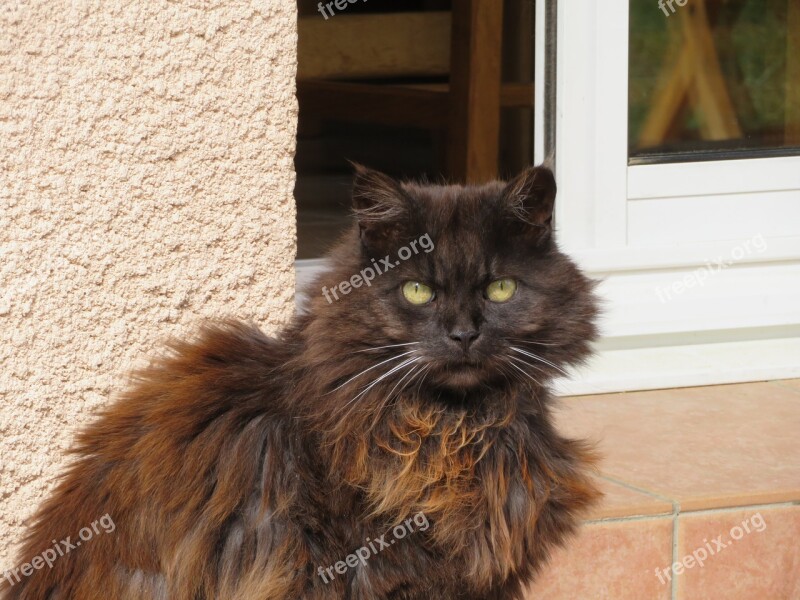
column 239, row 464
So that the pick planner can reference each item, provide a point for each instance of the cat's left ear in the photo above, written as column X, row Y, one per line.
column 531, row 196
column 379, row 204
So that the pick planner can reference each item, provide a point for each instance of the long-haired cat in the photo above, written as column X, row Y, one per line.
column 394, row 442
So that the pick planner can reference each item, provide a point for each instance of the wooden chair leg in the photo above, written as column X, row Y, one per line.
column 667, row 102
column 697, row 74
column 714, row 99
column 475, row 73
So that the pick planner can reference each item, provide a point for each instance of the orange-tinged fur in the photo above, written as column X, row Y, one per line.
column 240, row 466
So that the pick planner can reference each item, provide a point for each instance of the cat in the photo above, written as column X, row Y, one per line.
column 395, row 442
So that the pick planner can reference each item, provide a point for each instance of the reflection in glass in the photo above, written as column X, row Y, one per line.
column 713, row 76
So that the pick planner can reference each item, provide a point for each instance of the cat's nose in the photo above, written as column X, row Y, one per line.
column 465, row 338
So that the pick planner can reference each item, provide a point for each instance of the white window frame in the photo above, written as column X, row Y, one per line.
column 742, row 326
column 628, row 225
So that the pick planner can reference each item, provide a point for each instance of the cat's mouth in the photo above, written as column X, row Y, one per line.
column 465, row 377
column 462, row 374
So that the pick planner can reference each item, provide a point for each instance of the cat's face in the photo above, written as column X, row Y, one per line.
column 477, row 293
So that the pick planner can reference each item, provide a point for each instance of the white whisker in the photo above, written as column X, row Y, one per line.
column 525, row 373
column 372, row 367
column 534, row 395
column 389, row 395
column 381, row 378
column 389, row 346
column 532, row 342
column 522, row 362
column 426, row 370
column 388, row 399
column 540, row 359
column 525, row 362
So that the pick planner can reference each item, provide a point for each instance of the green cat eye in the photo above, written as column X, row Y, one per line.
column 501, row 290
column 417, row 293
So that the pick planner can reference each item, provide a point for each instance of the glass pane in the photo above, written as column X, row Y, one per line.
column 713, row 76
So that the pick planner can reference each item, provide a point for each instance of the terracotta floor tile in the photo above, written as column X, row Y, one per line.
column 761, row 565
column 703, row 447
column 610, row 560
column 620, row 501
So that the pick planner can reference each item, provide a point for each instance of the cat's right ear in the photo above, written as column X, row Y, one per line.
column 379, row 204
column 530, row 198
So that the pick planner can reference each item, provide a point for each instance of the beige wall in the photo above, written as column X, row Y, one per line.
column 146, row 177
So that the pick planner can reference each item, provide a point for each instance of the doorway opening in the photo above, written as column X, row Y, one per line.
column 435, row 89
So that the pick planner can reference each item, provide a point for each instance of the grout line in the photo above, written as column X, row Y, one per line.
column 674, row 582
column 634, row 488
column 626, row 519
column 676, row 512
column 724, row 509
column 676, row 509
column 675, row 515
column 676, row 504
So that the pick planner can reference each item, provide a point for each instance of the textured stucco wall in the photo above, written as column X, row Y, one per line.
column 146, row 177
